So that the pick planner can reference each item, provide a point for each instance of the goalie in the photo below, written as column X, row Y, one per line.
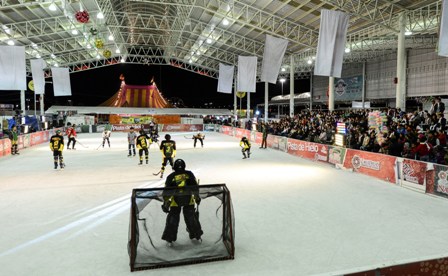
column 175, row 201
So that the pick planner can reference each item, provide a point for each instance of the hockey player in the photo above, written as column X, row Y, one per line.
column 71, row 134
column 106, row 136
column 176, row 200
column 168, row 149
column 131, row 141
column 245, row 147
column 142, row 145
column 56, row 146
column 199, row 137
column 14, row 137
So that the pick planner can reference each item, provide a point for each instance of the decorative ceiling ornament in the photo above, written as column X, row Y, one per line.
column 107, row 53
column 82, row 16
column 99, row 43
column 93, row 31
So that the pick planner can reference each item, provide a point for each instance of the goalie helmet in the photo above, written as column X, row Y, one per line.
column 179, row 165
column 167, row 137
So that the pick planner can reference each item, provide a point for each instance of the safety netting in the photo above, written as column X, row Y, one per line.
column 146, row 248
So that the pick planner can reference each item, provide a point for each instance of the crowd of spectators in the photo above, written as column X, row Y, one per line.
column 417, row 135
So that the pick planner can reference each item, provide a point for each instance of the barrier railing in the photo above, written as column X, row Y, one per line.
column 422, row 176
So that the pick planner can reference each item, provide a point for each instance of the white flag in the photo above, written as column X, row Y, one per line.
column 247, row 74
column 331, row 44
column 37, row 71
column 443, row 35
column 225, row 78
column 61, row 82
column 274, row 50
column 12, row 68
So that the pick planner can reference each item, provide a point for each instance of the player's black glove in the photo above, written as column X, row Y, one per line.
column 166, row 206
column 198, row 200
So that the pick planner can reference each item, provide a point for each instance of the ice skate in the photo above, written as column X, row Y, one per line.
column 140, row 163
column 248, row 155
column 55, row 166
column 62, row 166
column 129, row 155
column 169, row 244
column 146, row 162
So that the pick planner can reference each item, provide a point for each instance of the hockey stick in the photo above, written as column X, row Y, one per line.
column 81, row 144
column 99, row 146
column 187, row 137
column 157, row 173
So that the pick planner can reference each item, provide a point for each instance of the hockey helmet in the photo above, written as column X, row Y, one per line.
column 168, row 137
column 58, row 131
column 142, row 132
column 179, row 165
column 244, row 138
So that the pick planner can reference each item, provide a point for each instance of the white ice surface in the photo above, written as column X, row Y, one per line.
column 293, row 216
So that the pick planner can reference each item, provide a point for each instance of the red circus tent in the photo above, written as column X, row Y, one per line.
column 137, row 96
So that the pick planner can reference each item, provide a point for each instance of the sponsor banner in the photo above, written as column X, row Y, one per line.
column 414, row 171
column 283, row 144
column 377, row 165
column 182, row 127
column 427, row 267
column 441, row 181
column 308, row 150
column 227, row 130
column 258, row 138
column 5, row 147
column 125, row 128
column 240, row 133
column 336, row 155
column 273, row 141
column 36, row 138
column 20, row 140
column 209, row 127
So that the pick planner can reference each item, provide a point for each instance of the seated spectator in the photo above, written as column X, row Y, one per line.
column 423, row 150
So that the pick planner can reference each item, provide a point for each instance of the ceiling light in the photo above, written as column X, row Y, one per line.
column 74, row 32
column 38, row 55
column 98, row 57
column 190, row 61
column 117, row 51
column 6, row 29
column 201, row 41
column 313, row 57
column 309, row 61
column 52, row 7
column 100, row 15
column 283, row 69
column 282, row 80
column 53, row 56
column 225, row 22
column 407, row 33
column 111, row 37
column 11, row 43
column 122, row 60
column 56, row 65
column 209, row 40
column 89, row 46
column 34, row 45
column 347, row 50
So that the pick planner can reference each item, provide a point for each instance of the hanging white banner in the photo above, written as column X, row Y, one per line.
column 274, row 50
column 37, row 71
column 225, row 78
column 61, row 82
column 12, row 68
column 247, row 74
column 331, row 44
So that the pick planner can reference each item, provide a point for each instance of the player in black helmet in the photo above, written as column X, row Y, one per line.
column 184, row 197
column 142, row 146
column 56, row 146
column 245, row 147
column 168, row 149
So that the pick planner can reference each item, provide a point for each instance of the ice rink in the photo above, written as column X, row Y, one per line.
column 292, row 216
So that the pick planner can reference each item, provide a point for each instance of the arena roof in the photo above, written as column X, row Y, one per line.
column 197, row 35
